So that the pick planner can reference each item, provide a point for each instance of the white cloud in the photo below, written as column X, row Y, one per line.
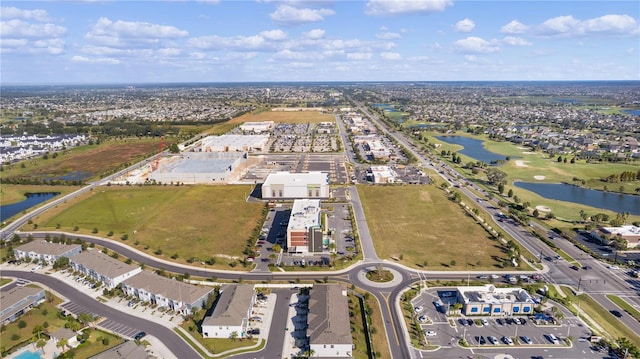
column 465, row 25
column 514, row 27
column 390, row 56
column 15, row 13
column 475, row 45
column 169, row 52
column 611, row 24
column 401, row 7
column 275, row 35
column 291, row 55
column 18, row 28
column 559, row 25
column 359, row 56
column 286, row 14
column 82, row 59
column 516, row 41
column 314, row 34
column 106, row 28
column 237, row 43
column 389, row 35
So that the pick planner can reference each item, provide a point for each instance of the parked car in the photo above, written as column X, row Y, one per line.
column 493, row 340
column 422, row 319
column 139, row 336
column 418, row 308
column 430, row 333
column 482, row 341
column 485, row 322
column 525, row 339
column 552, row 338
column 507, row 340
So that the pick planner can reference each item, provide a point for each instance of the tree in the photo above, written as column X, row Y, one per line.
column 62, row 343
column 85, row 318
column 536, row 213
column 37, row 330
column 495, row 176
column 510, row 193
column 233, row 336
column 40, row 344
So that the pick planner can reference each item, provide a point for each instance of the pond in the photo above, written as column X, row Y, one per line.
column 615, row 202
column 10, row 210
column 473, row 148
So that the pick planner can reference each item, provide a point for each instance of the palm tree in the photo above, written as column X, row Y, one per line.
column 233, row 336
column 62, row 343
column 37, row 330
column 40, row 344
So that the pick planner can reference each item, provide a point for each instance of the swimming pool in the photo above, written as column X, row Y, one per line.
column 29, row 355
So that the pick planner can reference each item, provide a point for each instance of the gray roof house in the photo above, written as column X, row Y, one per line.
column 328, row 319
column 126, row 350
column 103, row 268
column 231, row 313
column 44, row 251
column 17, row 300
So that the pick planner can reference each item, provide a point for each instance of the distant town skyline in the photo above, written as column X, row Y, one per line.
column 96, row 42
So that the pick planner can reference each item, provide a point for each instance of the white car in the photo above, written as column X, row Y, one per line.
column 493, row 340
column 553, row 339
column 430, row 333
column 422, row 319
column 613, row 267
column 485, row 322
column 507, row 340
column 418, row 308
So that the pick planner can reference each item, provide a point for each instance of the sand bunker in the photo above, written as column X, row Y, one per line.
column 539, row 178
column 543, row 208
column 529, row 153
column 520, row 163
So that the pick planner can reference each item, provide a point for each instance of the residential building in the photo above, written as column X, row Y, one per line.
column 231, row 312
column 304, row 230
column 489, row 300
column 126, row 350
column 328, row 319
column 46, row 252
column 287, row 185
column 17, row 300
column 63, row 333
column 103, row 268
column 166, row 293
column 629, row 233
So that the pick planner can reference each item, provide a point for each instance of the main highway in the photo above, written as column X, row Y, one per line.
column 599, row 280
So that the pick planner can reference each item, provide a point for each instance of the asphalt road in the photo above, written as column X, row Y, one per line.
column 169, row 338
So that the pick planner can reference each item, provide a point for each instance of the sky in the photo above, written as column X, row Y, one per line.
column 94, row 41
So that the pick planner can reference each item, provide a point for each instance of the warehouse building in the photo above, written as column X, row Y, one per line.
column 235, row 143
column 287, row 185
column 199, row 167
column 257, row 127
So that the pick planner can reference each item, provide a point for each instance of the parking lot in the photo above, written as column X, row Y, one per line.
column 490, row 332
column 332, row 164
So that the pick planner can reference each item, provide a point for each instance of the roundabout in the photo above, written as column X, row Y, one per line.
column 395, row 281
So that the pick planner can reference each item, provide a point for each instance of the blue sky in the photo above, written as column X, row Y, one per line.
column 97, row 41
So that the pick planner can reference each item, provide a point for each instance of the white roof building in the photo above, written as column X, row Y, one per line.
column 257, row 127
column 282, row 185
column 383, row 174
column 235, row 143
column 490, row 300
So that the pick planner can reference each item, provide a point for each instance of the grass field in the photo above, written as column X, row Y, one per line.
column 95, row 344
column 284, row 116
column 418, row 225
column 91, row 161
column 188, row 221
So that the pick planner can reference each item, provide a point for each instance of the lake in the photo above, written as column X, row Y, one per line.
column 10, row 210
column 473, row 148
column 632, row 112
column 612, row 201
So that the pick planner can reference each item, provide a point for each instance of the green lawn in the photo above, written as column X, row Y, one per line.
column 419, row 224
column 96, row 344
column 187, row 221
column 218, row 345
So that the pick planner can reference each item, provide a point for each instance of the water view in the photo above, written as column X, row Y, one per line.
column 473, row 148
column 10, row 210
column 599, row 199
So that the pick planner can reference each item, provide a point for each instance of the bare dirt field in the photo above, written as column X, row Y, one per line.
column 285, row 116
